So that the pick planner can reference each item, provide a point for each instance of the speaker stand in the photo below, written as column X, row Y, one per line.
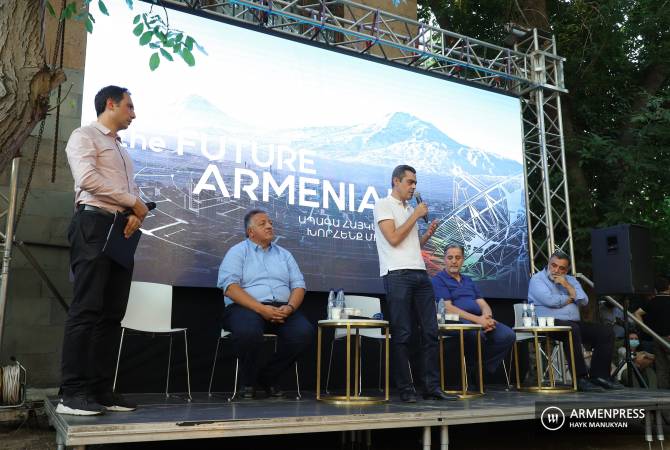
column 628, row 360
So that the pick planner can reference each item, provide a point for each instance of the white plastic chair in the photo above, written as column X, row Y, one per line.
column 369, row 306
column 149, row 310
column 226, row 335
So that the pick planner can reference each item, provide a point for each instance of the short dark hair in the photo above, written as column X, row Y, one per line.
column 113, row 92
column 560, row 254
column 399, row 172
column 661, row 284
column 248, row 216
column 454, row 245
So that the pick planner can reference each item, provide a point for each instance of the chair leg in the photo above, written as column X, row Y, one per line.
column 379, row 386
column 297, row 381
column 167, row 381
column 211, row 377
column 188, row 371
column 509, row 385
column 330, row 364
column 360, row 372
column 118, row 359
column 237, row 370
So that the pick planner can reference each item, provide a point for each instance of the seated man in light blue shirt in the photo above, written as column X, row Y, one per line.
column 263, row 289
column 559, row 295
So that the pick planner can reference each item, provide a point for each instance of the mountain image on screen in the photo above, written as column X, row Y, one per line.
column 476, row 195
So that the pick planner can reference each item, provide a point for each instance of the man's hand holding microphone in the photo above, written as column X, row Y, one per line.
column 421, row 210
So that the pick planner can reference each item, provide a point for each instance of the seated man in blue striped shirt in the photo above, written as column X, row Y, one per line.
column 263, row 289
column 559, row 295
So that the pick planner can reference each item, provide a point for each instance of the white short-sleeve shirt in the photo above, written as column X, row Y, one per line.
column 405, row 255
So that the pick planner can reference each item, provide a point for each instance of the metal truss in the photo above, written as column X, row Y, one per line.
column 532, row 70
column 548, row 204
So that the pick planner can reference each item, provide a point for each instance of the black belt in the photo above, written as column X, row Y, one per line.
column 275, row 303
column 406, row 270
column 95, row 209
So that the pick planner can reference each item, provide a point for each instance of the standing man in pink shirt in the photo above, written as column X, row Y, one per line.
column 103, row 178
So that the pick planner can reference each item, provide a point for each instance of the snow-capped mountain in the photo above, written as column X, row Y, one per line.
column 400, row 138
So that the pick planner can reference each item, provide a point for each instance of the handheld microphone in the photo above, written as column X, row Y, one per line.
column 418, row 199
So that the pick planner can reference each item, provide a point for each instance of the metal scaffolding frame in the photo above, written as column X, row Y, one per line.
column 531, row 70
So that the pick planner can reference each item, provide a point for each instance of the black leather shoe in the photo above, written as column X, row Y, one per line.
column 438, row 394
column 274, row 392
column 584, row 385
column 610, row 384
column 248, row 392
column 408, row 396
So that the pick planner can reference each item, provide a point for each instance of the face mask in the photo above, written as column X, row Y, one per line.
column 634, row 343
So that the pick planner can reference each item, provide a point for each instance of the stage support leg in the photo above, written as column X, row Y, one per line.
column 659, row 428
column 444, row 437
column 647, row 428
column 426, row 438
column 368, row 438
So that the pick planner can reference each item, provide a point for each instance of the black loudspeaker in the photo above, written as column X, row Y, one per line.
column 622, row 263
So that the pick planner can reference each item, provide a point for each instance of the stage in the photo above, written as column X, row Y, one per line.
column 161, row 419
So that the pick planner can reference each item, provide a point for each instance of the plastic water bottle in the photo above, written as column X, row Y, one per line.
column 331, row 304
column 525, row 316
column 339, row 302
column 533, row 317
column 441, row 311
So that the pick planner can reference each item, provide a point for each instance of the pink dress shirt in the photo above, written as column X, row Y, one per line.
column 101, row 168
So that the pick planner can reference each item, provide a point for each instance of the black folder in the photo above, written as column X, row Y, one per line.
column 117, row 247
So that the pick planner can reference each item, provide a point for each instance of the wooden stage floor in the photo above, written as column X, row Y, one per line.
column 158, row 418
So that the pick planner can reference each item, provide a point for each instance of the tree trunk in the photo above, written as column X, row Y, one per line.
column 25, row 78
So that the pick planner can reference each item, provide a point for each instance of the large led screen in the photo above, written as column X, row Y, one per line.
column 310, row 135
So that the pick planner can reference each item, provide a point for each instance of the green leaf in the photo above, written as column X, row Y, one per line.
column 166, row 55
column 89, row 25
column 137, row 19
column 68, row 11
column 154, row 61
column 177, row 48
column 51, row 9
column 146, row 37
column 187, row 56
column 103, row 7
column 137, row 31
column 154, row 45
column 129, row 3
column 189, row 43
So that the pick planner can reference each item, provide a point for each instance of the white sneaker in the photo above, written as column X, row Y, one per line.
column 79, row 405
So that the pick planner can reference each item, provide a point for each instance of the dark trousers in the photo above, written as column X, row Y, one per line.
column 100, row 296
column 247, row 328
column 596, row 336
column 407, row 291
column 496, row 344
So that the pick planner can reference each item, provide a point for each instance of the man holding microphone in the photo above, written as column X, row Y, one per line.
column 407, row 284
